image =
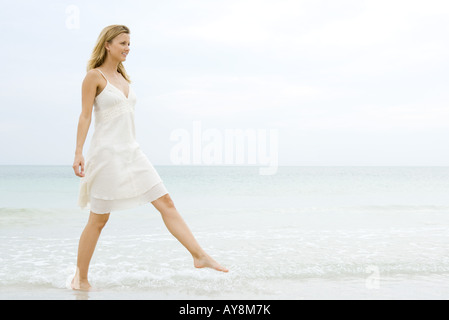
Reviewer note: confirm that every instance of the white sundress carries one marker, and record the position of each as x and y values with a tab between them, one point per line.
118	175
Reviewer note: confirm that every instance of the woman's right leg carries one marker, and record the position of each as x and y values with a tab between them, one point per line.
86	247
179	229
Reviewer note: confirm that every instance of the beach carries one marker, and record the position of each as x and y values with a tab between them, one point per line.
302	233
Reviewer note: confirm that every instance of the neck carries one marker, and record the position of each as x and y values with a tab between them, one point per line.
110	65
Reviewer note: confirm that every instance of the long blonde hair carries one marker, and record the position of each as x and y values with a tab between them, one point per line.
99	52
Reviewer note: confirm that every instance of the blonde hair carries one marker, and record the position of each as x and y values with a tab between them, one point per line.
99	52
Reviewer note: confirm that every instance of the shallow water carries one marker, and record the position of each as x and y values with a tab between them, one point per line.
304	233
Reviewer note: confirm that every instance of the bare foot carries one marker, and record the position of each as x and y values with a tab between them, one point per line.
207	262
77	284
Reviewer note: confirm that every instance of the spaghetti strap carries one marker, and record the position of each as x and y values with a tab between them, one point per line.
102	75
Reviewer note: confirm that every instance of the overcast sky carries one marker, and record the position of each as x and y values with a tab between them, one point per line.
340	82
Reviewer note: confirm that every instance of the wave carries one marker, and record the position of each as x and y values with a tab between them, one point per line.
34	210
241	278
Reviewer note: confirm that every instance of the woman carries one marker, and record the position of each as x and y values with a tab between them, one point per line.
116	174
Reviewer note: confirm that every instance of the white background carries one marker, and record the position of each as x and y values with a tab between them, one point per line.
343	82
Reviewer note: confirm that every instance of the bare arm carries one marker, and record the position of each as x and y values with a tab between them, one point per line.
89	90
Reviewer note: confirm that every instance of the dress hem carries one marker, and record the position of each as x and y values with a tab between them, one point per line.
101	206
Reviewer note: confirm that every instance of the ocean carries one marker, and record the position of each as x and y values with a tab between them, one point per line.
302	233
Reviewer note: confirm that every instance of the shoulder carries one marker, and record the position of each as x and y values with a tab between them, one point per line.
93	74
93	77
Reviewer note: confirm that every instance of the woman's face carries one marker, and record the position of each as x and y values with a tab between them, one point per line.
118	48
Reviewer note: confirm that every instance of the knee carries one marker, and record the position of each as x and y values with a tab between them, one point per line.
100	224
166	202
98	221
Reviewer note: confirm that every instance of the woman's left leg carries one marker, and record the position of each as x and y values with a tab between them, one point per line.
86	247
179	229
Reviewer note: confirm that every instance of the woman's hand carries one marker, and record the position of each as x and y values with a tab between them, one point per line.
77	163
